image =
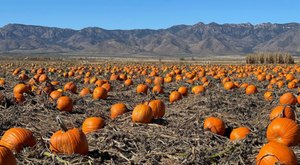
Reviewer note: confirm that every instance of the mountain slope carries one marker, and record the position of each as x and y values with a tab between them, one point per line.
199	39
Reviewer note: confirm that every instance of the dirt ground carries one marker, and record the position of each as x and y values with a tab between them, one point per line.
177	138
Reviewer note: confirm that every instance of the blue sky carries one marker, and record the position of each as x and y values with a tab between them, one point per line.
153	14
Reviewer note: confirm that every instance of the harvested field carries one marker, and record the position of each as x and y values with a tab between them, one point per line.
177	138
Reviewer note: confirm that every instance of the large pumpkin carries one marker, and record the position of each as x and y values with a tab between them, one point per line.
283	112
6	156
157	107
283	130
239	133
68	141
276	153
215	125
117	110
142	114
92	124
17	138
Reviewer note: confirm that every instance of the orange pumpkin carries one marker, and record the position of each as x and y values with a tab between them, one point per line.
183	90
17	138
20	88
6	156
239	133
282	112
268	96
142	114
92	124
175	96
99	93
276	153
214	125
142	88
69	142
55	95
251	89
198	89
283	130
117	110
158	89
128	82
64	103
107	86
70	86
229	85
84	92
157	107
287	99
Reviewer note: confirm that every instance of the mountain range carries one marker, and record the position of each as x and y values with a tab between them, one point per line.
199	39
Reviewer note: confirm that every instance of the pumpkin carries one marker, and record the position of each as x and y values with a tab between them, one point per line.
70	86
64	103
175	96
183	90
20	88
283	130
55	94
117	110
158	80
84	92
2	81
69	141
19	97
214	125
92	124
287	99
128	82
43	78
239	133
107	86
198	89
229	85
142	114
17	138
268	96
142	88
6	156
276	153
158	89
251	89
158	108
99	93
283	112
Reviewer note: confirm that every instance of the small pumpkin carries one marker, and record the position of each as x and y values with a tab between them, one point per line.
284	131
92	124
64	103
198	89
70	86
183	90
251	89
268	96
128	82
229	85
142	88
276	153
158	108
17	138
142	114
84	92
6	156
283	112
117	110
175	96
239	133
55	95
99	93
215	125
158	89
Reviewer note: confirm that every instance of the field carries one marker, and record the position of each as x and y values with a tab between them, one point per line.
178	137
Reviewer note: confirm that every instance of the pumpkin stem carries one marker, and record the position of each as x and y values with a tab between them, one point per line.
61	124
